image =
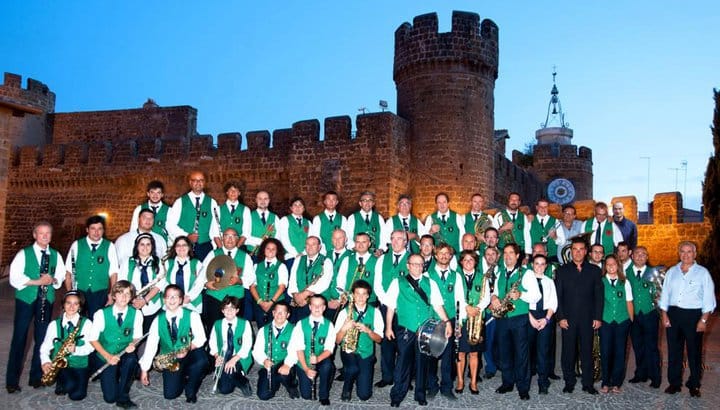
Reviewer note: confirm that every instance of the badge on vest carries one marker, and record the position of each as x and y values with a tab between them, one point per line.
450	288
127	331
283	345
271	276
374	229
477	288
204	214
450	229
184	340
608	232
159	223
619	294
645	285
321	340
100	259
238	220
239	341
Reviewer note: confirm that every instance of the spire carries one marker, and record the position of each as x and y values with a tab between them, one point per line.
555	116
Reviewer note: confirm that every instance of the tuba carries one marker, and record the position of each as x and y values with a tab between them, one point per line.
61	358
475	324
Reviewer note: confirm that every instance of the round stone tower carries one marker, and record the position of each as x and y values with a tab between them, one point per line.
445	84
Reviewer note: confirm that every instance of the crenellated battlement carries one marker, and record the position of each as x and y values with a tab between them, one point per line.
36	98
471	44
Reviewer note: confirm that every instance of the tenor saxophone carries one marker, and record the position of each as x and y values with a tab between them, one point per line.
61	358
350	341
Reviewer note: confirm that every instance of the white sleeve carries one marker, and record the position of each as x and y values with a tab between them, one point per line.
628	291
392	294
560	240
212	345
378	323
377	280
134	218
349	226
617	234
98	325
422	229
550	300
112	259
341	279
248	273
385	233
324	282
283	275
329	345
292	287
214	226
47	343
199	337
173	218
532	291
151	345
72	254
436	299
315	226
297	344
459	294
526	235
246	341
59	274
199	284
485	297
18	279
258	350
86	348
247	224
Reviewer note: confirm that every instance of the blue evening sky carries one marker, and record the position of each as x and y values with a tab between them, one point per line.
635	77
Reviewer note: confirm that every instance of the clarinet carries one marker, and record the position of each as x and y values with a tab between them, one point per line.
217	218
44	269
267	297
312	353
196	227
73	277
270	349
458	331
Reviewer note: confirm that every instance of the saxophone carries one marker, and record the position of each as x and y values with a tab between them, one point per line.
61	358
350	341
475	323
169	361
506	304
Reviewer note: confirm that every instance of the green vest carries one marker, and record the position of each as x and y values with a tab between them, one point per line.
279	344
258	230
74	361
193	277
504	284
267	280
367	274
449	230
411	309
413	227
160	219
615	307
606	237
447	289
470	223
517	230
151	276
390	271
643	290
92	270
320	337
297	234
331	292
32	270
473	292
184	332
372	229
234	220
234	290
327	227
220	335
303	276
537	233
365	345
116	338
188	215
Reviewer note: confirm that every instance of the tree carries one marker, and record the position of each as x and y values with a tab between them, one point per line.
710	250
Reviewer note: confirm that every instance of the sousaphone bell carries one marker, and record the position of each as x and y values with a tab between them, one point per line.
220	271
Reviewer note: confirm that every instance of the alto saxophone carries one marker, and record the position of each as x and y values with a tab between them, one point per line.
350	341
169	361
61	358
475	323
506	304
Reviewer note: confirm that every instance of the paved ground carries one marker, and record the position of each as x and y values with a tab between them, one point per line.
633	396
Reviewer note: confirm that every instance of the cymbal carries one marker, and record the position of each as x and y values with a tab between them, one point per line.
220	270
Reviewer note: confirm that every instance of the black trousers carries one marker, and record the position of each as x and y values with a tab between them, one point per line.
26	314
579	332
325	376
682	333
188	377
265	391
408	355
512	336
613	340
644	335
360	370
115	381
388	350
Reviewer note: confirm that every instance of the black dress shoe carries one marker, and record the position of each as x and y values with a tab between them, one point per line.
637	380
340	377
694	392
525	396
13	389
459	391
422	402
504	388
383	383
449	395
673	389
35	384
489	375
474	391
432	393
553	376
655	385
192	399
590	390
324	402
542	390
59	391
245	389
394	404
293	392
126	404
568	388
345	396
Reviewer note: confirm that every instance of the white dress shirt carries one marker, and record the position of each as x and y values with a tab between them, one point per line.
153	340
48	343
18	278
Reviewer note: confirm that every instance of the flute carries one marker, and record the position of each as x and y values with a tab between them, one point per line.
95	375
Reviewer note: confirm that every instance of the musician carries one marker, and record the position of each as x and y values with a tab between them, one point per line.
405	220
311	274
233	214
313	341
367	322
446	223
239	281
605	232
468	242
388	267
644	329
271	353
183	269
624	254
324	223
73	379
628	229
617	316
125	243
490	265
155	193
368	220
491	241
476	294
540	248
541	325
570	226
180	336
361	265
416	298
449	282
262	222
510	222
338	254
230	343
597	255
427	251
193	215
92	265
550	267
512	328
271	280
35	273
686	302
544	229
143	270
292	230
116	329
477	204
580	306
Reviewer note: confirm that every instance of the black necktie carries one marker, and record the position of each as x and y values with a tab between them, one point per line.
314	332
442	274
144	275
94	247
639	274
268	264
154	209
262	218
443	219
230	349
173	329
542	223
426	265
539	306
337	256
278	330
180	276
230	254
397	259
360	261
119	319
331	217
70	327
44	261
612	282
513	217
310	263
597	235
197	203
406	227
475	217
299	221
367	219
232	209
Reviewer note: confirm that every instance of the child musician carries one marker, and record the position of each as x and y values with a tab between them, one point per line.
230	343
271	352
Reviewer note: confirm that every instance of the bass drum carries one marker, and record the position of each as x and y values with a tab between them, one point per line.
431	337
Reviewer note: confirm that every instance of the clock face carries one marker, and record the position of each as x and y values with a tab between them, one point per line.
561	191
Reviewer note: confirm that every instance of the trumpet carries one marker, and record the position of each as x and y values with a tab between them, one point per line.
218	371
147	288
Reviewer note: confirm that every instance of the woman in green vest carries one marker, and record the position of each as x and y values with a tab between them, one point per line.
271	280
73	379
141	270
617	316
182	269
